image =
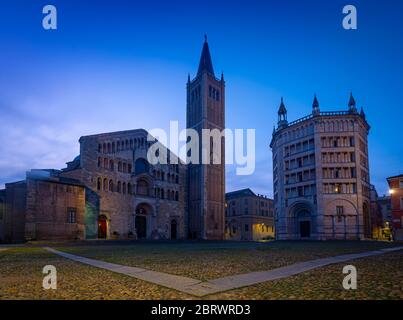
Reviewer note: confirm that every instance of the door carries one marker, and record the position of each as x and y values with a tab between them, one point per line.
102	227
173	230
305	229
141	227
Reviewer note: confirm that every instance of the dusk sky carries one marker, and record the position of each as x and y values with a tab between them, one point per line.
119	65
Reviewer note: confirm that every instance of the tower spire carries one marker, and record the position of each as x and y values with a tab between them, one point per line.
315	106
282	115
352	104
205	64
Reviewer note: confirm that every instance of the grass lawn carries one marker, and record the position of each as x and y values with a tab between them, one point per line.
211	260
379	277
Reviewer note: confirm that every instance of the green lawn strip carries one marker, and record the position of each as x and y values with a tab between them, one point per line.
207	261
379	278
21	278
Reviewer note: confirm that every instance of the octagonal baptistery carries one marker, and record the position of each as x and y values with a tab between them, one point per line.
321	175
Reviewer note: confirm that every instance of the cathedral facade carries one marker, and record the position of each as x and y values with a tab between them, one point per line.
321	175
111	191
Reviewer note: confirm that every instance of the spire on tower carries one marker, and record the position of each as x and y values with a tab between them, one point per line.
315	106
282	109
282	115
351	103
205	64
315	103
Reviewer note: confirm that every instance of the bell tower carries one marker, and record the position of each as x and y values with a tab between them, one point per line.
206	182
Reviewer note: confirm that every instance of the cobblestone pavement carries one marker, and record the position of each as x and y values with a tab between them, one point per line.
198	288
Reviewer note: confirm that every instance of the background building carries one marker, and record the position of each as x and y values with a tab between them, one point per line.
386	210
248	216
321	175
380	229
396	195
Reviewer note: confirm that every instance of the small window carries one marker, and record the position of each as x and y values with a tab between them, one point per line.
246	227
71	215
401	184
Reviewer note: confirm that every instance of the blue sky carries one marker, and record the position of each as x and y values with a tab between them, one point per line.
116	65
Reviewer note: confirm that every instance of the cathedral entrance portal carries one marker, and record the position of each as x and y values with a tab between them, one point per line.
143	220
141	226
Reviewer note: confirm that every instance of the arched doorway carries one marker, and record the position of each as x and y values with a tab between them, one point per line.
300	224
141	226
304	223
142	220
102	227
174	230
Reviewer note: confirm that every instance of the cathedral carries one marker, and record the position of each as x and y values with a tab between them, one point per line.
111	191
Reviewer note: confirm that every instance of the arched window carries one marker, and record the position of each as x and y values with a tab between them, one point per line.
111	165
124	167
120	166
118	146
129	168
131	144
142	187
99	162
141	166
110	185
113	147
176	196
177	179
129	188
105	184
104	148
105	163
124	188
99	147
109	148
119	187
162	194
99	184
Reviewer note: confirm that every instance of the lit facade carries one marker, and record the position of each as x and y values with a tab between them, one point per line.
249	216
